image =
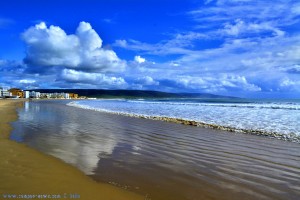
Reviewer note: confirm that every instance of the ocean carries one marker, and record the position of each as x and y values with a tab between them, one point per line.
163	160
277	118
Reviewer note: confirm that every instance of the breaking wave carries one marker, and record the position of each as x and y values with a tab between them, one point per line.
282	130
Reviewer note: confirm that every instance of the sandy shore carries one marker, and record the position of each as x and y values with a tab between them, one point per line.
25	171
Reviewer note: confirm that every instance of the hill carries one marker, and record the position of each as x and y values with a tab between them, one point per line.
101	93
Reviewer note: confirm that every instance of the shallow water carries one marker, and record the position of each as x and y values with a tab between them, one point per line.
162	160
277	118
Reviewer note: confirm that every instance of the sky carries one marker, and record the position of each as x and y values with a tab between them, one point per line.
243	48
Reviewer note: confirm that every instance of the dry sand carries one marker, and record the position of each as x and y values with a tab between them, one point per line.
26	171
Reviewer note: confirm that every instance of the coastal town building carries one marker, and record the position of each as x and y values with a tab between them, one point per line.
66	95
27	94
33	94
4	93
73	96
18	93
55	95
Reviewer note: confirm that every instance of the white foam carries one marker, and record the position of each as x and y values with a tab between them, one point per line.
280	118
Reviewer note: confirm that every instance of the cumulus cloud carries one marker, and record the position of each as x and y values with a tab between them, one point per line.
288	84
217	84
239	82
146	80
226	51
73	76
139	59
51	46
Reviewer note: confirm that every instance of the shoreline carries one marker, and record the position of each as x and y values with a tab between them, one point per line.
160	160
25	171
291	137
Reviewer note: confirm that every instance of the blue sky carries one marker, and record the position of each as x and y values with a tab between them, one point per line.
244	48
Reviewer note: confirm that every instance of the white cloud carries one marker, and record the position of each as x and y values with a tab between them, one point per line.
245	16
222	2
294	69
245	56
82	50
240	27
97	79
296	9
288	84
241	37
240	82
217	84
234	29
146	81
227	10
135	45
88	37
121	43
26	81
176	45
174	64
254	40
139	59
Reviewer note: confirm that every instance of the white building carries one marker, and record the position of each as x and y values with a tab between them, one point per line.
34	94
4	92
27	94
38	95
66	95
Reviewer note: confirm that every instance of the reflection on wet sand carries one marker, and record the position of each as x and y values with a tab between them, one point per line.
26	171
163	160
75	147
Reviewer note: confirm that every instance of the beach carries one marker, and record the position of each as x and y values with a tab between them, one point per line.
158	159
152	100
25	171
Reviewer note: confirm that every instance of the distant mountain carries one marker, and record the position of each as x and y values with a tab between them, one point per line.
100	93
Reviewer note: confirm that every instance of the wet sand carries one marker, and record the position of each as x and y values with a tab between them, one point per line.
25	171
162	160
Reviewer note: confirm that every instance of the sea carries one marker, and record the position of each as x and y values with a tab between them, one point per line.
276	118
144	146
